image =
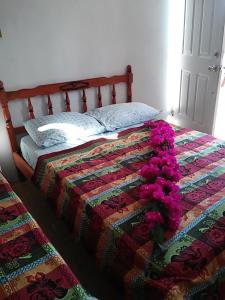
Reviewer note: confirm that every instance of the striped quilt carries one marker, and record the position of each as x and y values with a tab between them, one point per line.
95	188
30	267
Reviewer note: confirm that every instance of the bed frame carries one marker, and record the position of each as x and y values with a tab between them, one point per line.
48	90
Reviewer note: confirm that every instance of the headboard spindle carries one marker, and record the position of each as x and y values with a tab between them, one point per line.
84	99
99	97
129	83
67	102
50	111
113	94
30	109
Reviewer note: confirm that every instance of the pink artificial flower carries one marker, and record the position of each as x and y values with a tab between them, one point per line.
166	167
153	218
158	193
148	191
156	160
158	190
157	140
162	153
174	221
172	203
150	171
171	173
168	160
158	123
161	173
151	124
167	186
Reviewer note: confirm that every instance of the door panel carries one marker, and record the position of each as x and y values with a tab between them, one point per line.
185	84
207	15
188	27
200	94
202	47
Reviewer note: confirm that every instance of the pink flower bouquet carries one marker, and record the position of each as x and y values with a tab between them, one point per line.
160	191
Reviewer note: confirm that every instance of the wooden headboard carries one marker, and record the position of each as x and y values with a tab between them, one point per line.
48	90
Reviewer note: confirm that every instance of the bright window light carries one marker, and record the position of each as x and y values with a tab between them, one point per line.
218	130
175	41
73	132
69	130
113	136
219	119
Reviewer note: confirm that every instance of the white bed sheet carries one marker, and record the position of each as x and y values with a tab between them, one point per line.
31	151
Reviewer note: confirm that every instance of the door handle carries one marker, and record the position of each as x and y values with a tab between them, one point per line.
214	68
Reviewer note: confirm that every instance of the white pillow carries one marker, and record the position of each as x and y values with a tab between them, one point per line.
50	130
124	114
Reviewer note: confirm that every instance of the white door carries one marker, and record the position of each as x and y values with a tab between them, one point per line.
201	58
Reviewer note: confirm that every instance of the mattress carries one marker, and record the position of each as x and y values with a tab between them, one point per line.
31	152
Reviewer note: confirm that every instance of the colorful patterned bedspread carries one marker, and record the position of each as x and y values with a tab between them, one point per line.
94	187
30	267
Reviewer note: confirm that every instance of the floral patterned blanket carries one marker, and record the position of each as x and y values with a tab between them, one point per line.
95	188
30	267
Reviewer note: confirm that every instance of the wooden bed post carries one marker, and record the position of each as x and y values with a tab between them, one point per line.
22	166
8	121
129	83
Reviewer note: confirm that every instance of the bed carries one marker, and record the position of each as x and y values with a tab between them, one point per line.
30	266
94	187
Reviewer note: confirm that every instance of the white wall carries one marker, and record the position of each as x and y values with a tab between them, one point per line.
53	40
